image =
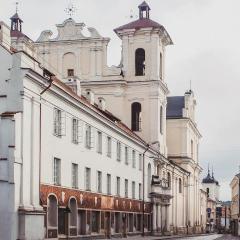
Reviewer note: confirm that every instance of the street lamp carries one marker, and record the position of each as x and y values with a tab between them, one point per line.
143	181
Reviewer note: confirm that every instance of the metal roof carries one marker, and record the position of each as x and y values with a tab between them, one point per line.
175	106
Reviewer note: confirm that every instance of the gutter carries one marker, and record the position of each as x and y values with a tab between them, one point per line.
40	133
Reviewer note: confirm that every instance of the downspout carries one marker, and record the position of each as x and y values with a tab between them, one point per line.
40	135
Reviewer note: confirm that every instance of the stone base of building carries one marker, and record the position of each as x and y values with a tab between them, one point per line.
31	223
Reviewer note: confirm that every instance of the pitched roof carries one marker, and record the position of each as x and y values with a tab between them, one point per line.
140	23
175	106
144	5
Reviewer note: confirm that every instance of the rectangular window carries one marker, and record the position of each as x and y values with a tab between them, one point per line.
99	181
140	191
126	155
70	72
118	151
59	122
126	188
133	190
88	136
75	126
109	184
118	187
57	171
140	161
133	159
74	175
99	146
88	179
109	146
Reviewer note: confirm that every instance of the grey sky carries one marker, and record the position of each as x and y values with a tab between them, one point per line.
206	36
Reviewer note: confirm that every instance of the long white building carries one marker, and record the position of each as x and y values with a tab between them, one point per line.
92	151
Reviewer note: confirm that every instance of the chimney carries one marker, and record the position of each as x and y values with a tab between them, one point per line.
102	103
90	96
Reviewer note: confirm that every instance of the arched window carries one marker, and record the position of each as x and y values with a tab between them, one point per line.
161	120
149	178
180	185
169	179
52	211
161	66
136	116
140	62
73	214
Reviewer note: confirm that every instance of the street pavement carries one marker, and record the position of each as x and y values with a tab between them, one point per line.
202	237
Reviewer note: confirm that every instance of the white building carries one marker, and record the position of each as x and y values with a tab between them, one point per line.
77	138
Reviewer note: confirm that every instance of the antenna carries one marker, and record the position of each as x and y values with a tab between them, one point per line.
70	10
190	85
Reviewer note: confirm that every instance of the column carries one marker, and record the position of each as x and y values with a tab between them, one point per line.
154	217
167	217
159	218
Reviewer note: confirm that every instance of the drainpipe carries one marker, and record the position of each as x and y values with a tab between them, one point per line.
40	133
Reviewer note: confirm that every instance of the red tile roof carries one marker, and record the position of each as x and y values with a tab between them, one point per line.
140	23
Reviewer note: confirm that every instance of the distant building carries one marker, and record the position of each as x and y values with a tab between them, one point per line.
211	186
235	209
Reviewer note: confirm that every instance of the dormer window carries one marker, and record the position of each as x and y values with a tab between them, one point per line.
140	62
70	72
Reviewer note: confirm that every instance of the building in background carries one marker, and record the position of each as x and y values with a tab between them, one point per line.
91	150
211	186
235	210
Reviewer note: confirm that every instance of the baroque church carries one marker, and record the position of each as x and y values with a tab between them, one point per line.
91	151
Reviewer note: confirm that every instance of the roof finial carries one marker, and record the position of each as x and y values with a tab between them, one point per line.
17	3
212	173
70	10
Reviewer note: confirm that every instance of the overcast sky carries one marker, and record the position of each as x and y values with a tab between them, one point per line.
206	36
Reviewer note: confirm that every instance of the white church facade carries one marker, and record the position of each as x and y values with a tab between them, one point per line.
91	151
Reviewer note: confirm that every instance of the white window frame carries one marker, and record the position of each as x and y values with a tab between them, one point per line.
133	190
99	143
126	155
88	136
140	191
56	171
88	179
140	161
75	130
99	181
118	186
109	147
59	122
118	151
74	175
133	158
126	188
109	180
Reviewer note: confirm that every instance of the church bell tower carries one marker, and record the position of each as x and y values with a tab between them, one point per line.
143	55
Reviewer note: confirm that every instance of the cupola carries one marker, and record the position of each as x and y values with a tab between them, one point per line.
144	10
16	26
